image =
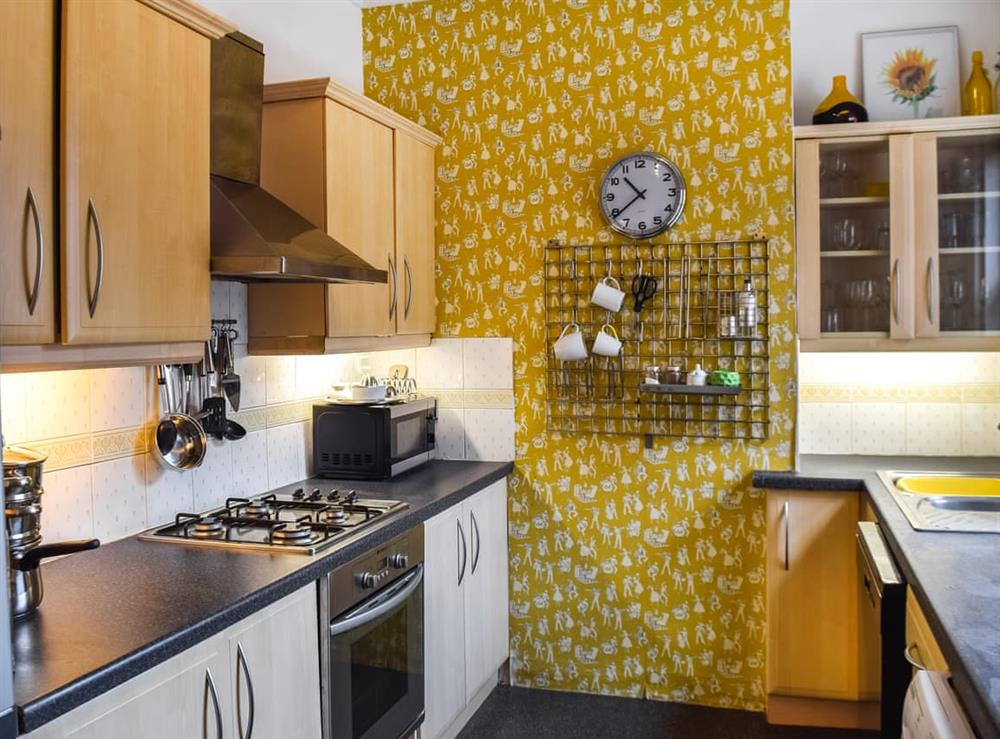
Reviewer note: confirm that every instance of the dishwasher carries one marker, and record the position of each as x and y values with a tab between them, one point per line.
883	618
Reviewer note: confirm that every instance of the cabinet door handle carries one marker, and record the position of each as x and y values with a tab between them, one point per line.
930	290
785	511
908	654
896	289
475	541
242	666
99	282
463	551
409	287
392	288
32	206
210	691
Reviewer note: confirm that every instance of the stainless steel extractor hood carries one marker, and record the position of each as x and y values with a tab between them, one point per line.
256	237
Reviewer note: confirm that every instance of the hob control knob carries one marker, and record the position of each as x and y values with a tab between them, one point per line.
298	494
399	561
367	580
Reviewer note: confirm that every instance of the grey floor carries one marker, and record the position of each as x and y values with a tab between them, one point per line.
513	713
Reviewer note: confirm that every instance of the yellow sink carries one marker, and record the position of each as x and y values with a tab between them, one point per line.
968	487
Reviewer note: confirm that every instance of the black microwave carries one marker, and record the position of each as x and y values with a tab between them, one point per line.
373	442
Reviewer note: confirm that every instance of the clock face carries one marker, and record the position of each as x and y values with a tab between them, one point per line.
642	195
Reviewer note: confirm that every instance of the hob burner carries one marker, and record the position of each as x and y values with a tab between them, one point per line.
335	514
257	510
208	527
291	534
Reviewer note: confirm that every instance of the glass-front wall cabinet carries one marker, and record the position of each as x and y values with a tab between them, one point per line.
958	236
898	235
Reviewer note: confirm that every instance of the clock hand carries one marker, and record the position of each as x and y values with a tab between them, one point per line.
636	189
640	195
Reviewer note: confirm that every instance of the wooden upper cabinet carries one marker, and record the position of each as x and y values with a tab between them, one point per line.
135	175
415	234
897	235
27	170
366	176
360	215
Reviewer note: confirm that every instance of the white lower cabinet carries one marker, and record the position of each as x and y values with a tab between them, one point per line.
465	607
193	695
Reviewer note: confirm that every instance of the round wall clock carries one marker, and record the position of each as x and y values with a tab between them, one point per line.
642	195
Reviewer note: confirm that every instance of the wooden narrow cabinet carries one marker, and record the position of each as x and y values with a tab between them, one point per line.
272	656
414	185
366	176
816	672
28	268
921	646
135	161
465	594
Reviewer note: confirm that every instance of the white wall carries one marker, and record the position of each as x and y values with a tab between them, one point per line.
826	38
302	38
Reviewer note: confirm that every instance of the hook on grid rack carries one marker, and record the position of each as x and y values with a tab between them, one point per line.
691	316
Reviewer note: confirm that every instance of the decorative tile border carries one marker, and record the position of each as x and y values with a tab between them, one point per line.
968	393
83	449
479	399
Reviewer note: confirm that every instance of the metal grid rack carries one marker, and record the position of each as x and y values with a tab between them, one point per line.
685	322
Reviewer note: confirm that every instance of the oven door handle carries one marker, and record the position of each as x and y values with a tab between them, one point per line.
381	604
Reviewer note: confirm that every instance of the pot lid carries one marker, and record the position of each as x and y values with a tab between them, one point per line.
16	456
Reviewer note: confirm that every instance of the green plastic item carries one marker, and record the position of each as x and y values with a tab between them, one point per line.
724	378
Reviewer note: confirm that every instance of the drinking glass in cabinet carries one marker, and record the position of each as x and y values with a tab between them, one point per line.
854	170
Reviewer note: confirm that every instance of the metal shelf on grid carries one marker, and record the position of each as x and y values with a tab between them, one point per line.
683	323
662	389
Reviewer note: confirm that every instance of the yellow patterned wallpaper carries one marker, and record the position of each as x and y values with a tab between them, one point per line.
633	572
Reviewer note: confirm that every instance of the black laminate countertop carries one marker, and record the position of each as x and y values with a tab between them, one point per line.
111	614
955	576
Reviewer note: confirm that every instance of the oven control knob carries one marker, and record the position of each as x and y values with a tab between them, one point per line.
367	580
399	561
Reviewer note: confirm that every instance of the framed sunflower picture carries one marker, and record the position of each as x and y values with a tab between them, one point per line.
911	74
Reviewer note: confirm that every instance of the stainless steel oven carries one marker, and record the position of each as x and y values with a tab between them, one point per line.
372	612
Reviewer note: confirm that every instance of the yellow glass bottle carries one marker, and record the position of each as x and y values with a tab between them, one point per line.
977	97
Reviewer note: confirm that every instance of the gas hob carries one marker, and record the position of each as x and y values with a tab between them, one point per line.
301	523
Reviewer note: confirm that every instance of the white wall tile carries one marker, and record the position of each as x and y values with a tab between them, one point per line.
168	492
59	404
980	436
489	435
380	362
980	367
440	365
13	408
449	434
238	309
825	428
250	464
253	377
878	428
286	454
933	428
220	299
117	398
312	376
488	363
280	379
213	481
67	505
119	487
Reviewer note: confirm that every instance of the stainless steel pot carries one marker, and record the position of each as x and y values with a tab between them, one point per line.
22	493
22	488
25	577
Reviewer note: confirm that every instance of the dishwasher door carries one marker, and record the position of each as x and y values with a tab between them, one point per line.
883	617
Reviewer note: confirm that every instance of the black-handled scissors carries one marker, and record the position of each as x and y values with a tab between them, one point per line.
643	288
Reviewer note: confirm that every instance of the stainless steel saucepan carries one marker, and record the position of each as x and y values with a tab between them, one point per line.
22	489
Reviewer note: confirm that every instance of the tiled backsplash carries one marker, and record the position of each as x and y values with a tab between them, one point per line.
940	404
103	480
